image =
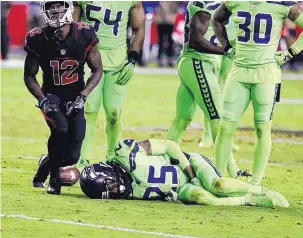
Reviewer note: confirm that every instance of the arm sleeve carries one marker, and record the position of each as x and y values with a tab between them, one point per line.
170	148
297	47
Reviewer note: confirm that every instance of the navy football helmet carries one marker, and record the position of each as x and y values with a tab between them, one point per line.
105	181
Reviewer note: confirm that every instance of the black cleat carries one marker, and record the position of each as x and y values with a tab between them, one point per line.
54	186
42	172
244	173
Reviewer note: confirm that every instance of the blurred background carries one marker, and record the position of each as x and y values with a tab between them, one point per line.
164	31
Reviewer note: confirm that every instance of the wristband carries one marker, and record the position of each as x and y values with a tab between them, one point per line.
42	102
133	56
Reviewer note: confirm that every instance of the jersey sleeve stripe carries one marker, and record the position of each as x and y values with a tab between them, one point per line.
198	4
90	46
214	7
283	3
44	34
76	29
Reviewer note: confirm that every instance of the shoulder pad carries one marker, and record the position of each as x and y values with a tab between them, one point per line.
89	33
32	39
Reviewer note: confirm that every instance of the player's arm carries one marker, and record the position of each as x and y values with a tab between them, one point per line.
77	11
170	148
94	62
137	23
295	15
221	15
198	27
31	68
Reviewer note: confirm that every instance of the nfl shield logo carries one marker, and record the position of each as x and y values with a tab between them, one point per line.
63	52
253	4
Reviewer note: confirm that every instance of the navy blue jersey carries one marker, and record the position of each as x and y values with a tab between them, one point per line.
63	62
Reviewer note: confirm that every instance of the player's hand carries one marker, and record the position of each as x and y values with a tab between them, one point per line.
47	106
126	73
196	181
230	53
128	68
78	104
282	57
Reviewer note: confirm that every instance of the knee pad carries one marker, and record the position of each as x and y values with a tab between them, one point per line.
264	99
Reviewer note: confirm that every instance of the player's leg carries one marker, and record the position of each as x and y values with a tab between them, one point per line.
58	126
185	109
207	140
225	68
207	93
192	194
236	97
216	184
91	109
263	99
113	97
205	88
74	139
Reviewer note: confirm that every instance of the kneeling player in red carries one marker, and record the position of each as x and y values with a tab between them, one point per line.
61	48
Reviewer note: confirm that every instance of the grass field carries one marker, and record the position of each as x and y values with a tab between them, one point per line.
149	107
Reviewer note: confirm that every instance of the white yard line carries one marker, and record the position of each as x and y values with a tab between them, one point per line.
18	64
16	170
99	226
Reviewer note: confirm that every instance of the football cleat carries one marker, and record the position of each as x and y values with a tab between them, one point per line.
54	186
279	199
244	173
42	172
260	201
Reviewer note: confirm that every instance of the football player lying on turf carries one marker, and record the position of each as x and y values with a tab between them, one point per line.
158	169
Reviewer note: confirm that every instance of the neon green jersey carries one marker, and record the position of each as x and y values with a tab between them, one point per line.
258	27
192	8
109	19
153	176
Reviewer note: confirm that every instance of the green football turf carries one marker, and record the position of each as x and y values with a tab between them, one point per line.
149	107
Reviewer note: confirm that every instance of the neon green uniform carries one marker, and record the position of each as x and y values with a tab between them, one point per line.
199	85
157	176
254	76
110	22
221	67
